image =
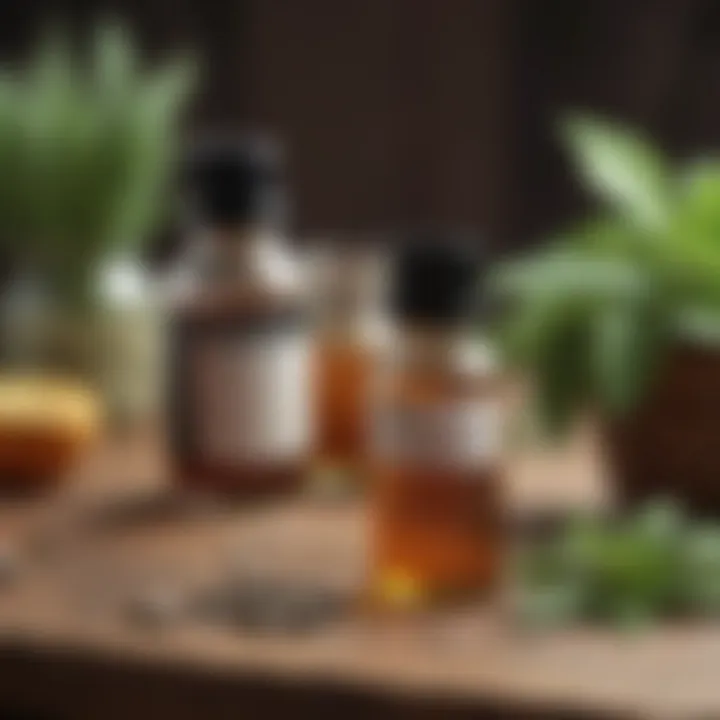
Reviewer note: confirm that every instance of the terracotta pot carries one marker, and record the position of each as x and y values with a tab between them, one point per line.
670	446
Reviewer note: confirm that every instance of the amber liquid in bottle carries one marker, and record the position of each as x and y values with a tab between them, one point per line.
437	508
349	325
437	511
241	408
343	366
240	411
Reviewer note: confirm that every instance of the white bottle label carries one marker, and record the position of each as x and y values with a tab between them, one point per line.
252	396
463	434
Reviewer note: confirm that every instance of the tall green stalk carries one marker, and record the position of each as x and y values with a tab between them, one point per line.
88	142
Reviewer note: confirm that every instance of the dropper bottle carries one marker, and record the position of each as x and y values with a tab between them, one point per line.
240	396
437	472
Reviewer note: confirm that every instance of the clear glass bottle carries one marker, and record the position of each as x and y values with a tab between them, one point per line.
437	510
240	381
130	330
349	329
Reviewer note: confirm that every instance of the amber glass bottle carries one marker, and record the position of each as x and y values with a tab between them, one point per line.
240	395
436	506
349	327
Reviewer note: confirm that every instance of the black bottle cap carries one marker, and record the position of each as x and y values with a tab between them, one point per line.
434	280
232	181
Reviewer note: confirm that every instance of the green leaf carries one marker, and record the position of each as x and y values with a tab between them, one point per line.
114	62
628	571
633	572
572	274
581	544
626	344
701	572
153	145
699	200
702	549
622	168
661	521
563	375
551	606
696	324
52	67
11	177
547	332
632	616
693	255
87	148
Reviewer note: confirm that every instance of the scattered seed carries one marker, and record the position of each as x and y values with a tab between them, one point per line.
157	608
9	565
270	607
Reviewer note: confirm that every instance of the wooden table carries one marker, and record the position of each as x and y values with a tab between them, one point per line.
68	649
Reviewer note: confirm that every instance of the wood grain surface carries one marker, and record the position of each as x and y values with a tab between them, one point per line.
68	646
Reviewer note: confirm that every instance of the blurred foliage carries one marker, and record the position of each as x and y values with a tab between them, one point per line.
87	145
593	314
630	571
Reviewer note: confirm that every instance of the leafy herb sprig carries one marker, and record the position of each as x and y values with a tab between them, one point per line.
593	314
635	570
87	146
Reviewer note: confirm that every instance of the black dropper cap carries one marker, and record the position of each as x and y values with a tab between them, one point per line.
434	280
237	180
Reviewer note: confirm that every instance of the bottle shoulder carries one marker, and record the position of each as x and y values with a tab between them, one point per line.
465	369
469	355
261	279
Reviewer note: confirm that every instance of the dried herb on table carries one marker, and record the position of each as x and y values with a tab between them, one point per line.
9	566
267	606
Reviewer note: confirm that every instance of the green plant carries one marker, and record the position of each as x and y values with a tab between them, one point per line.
594	313
628	571
87	144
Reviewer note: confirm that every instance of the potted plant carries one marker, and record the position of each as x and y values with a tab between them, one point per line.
620	315
87	147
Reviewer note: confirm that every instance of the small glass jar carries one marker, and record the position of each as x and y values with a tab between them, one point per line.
346	286
437	509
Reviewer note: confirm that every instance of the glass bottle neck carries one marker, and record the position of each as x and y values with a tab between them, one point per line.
426	342
345	285
454	346
233	253
248	255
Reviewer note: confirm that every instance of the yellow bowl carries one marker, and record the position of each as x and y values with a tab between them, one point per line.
45	425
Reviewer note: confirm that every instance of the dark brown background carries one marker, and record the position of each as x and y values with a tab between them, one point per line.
407	112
